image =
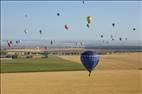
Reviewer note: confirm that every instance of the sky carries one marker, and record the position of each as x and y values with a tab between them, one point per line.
43	15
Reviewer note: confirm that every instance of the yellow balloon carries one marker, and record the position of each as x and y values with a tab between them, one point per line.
89	19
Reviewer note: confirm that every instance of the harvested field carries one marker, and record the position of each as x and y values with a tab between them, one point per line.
100	82
116	74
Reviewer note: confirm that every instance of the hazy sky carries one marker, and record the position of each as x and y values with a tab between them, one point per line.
43	15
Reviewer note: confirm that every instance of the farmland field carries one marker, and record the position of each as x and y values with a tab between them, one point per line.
52	63
115	74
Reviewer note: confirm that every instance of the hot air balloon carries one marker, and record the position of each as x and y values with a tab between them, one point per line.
18	41
90	60
101	36
113	24
9	43
111	37
134	29
26	15
125	38
89	19
40	31
58	14
51	42
88	25
83	1
120	38
25	31
66	26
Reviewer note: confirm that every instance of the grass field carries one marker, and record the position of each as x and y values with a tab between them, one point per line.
52	63
115	74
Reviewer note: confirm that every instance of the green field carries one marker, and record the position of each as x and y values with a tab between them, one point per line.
52	63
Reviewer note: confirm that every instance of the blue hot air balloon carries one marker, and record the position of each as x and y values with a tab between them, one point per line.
90	60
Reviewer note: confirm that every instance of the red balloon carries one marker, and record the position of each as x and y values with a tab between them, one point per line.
66	26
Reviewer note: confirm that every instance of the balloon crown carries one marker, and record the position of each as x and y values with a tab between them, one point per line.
89	53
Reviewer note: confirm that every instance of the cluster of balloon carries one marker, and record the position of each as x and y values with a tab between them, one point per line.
89	20
18	41
66	26
9	43
90	60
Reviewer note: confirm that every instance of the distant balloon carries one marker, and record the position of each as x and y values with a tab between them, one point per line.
18	41
125	38
88	25
26	15
51	42
111	36
112	39
90	60
40	31
58	14
66	26
113	24
134	29
120	38
101	36
9	43
83	1
25	31
89	19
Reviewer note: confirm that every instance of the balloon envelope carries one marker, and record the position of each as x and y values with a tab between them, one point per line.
25	31
66	26
90	60
89	19
51	42
134	29
88	25
113	24
58	14
40	31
